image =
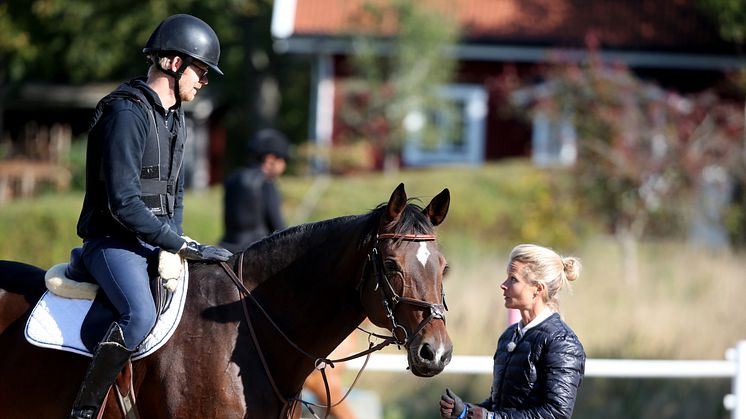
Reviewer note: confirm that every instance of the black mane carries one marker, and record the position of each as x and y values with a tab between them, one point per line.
412	220
281	248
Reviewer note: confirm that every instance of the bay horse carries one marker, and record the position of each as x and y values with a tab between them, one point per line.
245	345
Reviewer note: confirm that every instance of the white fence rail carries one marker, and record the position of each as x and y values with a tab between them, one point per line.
734	366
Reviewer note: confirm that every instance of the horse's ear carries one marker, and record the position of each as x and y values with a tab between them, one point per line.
396	204
437	209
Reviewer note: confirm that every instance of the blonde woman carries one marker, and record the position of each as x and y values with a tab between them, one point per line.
539	362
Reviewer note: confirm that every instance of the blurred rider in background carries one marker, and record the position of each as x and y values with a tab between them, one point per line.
252	202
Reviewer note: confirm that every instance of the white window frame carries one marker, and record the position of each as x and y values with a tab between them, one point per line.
553	141
474	106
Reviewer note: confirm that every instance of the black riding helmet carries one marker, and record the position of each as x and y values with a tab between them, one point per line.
188	37
268	141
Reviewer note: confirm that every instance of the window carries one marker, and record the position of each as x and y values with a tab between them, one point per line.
553	141
452	135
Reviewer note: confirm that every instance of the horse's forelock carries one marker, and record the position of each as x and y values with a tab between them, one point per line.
412	220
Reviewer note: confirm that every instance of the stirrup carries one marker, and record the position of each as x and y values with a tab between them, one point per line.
83	414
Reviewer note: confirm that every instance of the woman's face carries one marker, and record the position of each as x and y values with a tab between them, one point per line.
517	290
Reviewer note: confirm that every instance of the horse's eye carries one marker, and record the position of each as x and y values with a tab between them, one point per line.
391	266
446	269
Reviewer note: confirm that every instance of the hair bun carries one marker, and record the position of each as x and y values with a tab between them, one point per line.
572	267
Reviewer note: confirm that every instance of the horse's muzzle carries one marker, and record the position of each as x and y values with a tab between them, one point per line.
429	353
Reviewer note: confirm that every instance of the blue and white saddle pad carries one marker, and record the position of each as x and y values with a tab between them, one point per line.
55	322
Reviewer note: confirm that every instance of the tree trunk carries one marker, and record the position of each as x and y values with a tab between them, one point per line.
630	263
2	105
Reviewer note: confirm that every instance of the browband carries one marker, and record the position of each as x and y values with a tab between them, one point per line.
410	237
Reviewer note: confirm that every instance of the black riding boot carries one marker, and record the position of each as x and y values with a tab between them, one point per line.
109	358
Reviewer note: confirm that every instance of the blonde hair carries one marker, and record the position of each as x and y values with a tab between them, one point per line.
157	63
545	266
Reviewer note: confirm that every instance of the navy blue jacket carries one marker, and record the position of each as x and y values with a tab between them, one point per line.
541	376
115	168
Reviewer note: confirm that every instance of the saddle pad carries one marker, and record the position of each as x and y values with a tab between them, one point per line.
55	322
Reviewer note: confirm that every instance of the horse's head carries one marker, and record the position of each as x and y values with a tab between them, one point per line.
403	286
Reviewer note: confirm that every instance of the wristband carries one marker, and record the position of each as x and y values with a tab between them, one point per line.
463	413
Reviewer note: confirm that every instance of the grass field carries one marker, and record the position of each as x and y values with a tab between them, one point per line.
687	303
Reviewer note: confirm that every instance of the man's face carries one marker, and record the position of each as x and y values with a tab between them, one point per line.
194	77
273	166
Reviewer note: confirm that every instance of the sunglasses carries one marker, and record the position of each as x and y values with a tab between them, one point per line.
201	72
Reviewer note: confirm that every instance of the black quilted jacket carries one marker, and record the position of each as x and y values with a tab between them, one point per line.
541	376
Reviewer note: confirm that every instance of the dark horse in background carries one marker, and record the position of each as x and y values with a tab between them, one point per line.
237	355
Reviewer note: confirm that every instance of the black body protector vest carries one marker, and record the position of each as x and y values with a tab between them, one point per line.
163	155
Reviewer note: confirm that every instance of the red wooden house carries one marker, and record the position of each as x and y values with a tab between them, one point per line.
673	43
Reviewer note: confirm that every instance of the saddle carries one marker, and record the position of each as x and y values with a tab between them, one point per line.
73	315
72	280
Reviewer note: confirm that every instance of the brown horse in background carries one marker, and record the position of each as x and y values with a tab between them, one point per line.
237	355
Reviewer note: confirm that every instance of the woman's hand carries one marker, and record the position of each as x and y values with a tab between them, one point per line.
451	405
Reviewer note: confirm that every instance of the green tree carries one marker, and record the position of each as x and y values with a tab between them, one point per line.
396	76
77	41
731	19
81	41
730	16
642	150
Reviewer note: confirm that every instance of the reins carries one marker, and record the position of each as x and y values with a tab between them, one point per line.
320	363
390	299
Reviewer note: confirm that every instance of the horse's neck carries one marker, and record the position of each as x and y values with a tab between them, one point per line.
309	275
309	248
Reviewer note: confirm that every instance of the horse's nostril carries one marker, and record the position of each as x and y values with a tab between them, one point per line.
426	352
446	358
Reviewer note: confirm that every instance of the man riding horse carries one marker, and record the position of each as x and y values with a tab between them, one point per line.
133	202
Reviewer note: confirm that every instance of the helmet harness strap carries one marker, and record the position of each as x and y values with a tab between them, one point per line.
186	61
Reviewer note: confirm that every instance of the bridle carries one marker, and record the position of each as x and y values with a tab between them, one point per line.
390	300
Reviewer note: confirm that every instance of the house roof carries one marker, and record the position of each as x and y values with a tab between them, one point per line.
526	29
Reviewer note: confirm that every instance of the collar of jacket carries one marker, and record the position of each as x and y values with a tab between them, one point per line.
141	84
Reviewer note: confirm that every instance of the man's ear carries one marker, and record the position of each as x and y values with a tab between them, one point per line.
176	62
